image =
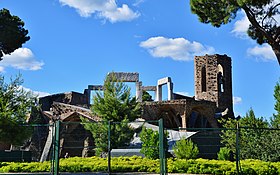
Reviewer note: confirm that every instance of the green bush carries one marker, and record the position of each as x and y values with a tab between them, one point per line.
224	154
150	146
139	164
185	149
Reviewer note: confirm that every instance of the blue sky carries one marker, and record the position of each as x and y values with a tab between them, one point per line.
75	43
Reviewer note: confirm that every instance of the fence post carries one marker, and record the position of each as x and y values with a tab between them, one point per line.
162	148
237	148
56	148
109	147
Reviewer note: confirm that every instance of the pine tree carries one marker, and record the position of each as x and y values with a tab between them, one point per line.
114	104
15	105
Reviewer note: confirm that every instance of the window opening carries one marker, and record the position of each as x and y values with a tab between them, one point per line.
203	79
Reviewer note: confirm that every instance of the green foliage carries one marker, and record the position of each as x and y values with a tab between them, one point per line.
256	141
262	15
15	104
275	121
216	12
12	33
146	96
185	149
150	145
139	164
114	105
224	154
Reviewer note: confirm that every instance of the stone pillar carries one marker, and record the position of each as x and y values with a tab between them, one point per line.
170	90
139	91
184	121
159	93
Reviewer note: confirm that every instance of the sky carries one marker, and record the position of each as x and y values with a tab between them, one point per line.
75	43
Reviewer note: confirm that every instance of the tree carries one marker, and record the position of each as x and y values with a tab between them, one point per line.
15	104
264	28
150	146
12	32
150	143
275	121
114	104
256	140
146	96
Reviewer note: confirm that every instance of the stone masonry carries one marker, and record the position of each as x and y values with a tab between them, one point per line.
213	81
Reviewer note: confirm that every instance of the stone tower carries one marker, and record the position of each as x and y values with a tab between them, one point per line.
213	81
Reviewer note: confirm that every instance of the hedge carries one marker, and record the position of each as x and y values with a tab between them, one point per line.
139	164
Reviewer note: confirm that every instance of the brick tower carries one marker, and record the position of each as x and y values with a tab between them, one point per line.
213	81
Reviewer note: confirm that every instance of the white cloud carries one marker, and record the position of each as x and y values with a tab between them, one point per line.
178	49
263	52
107	9
22	58
237	100
37	93
241	26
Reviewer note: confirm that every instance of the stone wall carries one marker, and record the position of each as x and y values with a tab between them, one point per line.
73	98
176	113
213	80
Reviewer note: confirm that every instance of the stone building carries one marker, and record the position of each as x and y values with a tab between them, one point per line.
213	96
213	81
69	108
213	99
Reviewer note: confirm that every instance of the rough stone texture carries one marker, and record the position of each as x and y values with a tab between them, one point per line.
176	113
61	111
185	112
213	65
149	88
60	107
126	76
73	98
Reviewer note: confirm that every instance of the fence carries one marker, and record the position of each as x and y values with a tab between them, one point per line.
107	139
113	139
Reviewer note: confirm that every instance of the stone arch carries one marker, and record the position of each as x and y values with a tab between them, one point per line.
197	119
221	69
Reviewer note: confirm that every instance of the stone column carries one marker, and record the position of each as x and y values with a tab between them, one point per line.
139	91
170	90
184	121
159	93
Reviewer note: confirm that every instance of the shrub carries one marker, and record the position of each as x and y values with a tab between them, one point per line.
185	149
150	146
139	164
224	154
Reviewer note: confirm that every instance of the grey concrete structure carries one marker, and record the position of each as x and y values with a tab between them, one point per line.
160	83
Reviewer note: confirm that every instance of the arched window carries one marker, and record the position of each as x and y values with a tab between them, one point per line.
203	79
220	78
220	82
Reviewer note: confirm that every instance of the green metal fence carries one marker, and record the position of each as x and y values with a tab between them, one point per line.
74	140
52	142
